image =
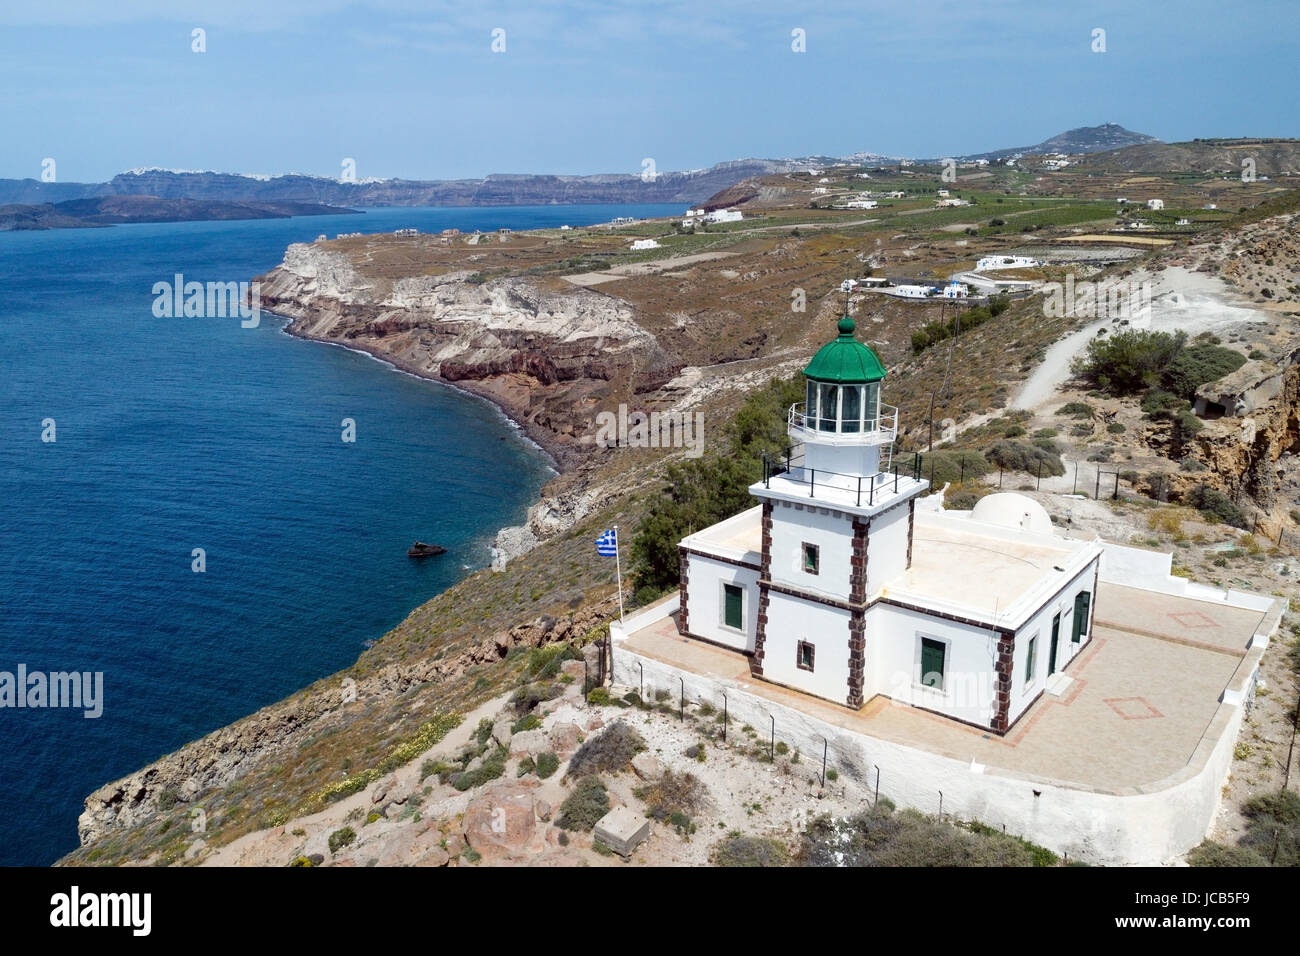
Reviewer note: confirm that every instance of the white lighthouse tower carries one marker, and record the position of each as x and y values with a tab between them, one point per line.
837	524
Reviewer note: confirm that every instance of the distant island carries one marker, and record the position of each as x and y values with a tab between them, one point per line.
111	210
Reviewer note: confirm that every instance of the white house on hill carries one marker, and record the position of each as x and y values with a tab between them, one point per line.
841	583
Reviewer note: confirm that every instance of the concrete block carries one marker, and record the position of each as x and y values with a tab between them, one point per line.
622	830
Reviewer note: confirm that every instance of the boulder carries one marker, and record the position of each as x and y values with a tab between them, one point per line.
529	743
594	724
565	737
415	845
501	732
400	791
574	669
647	767
543	810
381	789
502	818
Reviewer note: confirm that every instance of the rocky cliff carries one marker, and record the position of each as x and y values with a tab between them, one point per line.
227	754
546	355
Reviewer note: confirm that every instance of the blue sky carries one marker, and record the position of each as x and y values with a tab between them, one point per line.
414	90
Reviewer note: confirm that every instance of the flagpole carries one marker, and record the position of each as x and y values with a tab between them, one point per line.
618	569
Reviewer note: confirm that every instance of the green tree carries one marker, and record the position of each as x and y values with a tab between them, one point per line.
703	491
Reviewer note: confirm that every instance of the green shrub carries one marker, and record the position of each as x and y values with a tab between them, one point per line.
599	696
1075	410
1158	404
584	806
529	721
882	837
1274	817
1128	361
1020	456
750	851
1209	853
1186	427
493	766
1116	428
1212	502
547	764
526	766
1198	364
609	751
341	838
946	466
702	491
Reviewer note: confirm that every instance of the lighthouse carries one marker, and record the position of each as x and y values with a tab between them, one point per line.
845	583
836	523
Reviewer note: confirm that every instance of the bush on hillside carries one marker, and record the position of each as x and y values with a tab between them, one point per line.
1021	456
609	751
584	806
1215	504
947	465
1198	364
1128	361
750	851
882	837
1274	816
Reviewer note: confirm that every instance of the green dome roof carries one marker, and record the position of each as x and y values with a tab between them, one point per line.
845	360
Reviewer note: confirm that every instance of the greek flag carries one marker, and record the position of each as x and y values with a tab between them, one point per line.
607	544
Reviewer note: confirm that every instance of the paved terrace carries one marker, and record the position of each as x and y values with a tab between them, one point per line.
1138	705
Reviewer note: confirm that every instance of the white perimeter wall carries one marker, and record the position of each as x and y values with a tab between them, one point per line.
705	577
1146	828
1149	571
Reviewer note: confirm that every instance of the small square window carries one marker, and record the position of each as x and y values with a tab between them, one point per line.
811	557
1031	660
806	651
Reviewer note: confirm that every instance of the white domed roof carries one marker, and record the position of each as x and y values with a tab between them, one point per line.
1009	510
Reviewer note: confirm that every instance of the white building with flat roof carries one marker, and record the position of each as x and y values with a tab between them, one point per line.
838	585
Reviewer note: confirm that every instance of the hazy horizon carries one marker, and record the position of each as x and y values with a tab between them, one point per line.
585	88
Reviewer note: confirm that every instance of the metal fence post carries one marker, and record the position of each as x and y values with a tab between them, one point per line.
771	750
877	799
642	668
825	750
724	718
681	710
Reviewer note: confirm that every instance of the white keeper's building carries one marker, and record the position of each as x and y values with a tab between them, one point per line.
843	582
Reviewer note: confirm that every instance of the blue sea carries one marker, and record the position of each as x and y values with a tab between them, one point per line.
178	434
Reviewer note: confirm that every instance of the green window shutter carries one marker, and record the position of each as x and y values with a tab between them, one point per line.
1082	605
732	610
1031	653
810	554
932	662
